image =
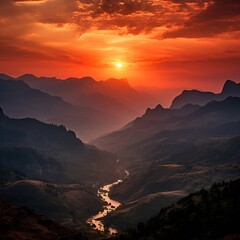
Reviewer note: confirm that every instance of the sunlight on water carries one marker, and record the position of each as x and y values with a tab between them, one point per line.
110	206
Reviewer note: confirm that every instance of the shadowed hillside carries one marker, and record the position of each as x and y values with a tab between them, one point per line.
212	215
48	168
23	224
81	162
170	153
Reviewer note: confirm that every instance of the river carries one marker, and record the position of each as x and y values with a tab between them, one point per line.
110	205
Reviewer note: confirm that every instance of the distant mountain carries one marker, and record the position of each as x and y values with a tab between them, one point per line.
141	127
74	90
172	152
5	77
167	122
230	88
55	145
19	100
212	214
115	97
23	224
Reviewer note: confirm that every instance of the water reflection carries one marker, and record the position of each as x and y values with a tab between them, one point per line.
110	206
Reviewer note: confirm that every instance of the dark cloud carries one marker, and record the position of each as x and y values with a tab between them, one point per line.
126	7
162	18
21	20
28	0
134	16
221	16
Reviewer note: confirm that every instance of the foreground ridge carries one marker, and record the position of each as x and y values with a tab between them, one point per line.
212	214
23	224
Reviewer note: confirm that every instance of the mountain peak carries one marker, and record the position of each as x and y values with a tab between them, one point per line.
155	110
121	81
5	76
86	79
231	87
27	76
159	107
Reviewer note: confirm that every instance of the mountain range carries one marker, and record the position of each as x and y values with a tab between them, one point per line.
172	152
169	153
90	108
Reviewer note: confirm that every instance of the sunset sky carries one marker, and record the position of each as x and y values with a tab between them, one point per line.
156	43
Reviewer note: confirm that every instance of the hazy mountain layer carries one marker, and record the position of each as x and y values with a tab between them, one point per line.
123	99
19	100
103	106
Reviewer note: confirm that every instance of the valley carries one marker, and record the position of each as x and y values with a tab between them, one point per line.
170	153
110	205
119	120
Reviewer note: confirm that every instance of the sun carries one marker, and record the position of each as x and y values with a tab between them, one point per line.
119	65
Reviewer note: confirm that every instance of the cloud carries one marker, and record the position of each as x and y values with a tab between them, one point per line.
134	16
163	18
219	17
156	18
50	29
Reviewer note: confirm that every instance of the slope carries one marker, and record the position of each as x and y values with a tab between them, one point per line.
81	162
23	224
212	214
230	88
170	155
19	100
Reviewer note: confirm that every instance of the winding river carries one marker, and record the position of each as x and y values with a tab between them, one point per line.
109	206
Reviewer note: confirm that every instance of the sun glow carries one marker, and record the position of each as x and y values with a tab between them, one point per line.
119	65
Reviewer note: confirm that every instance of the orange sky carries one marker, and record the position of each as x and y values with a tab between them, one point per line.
160	43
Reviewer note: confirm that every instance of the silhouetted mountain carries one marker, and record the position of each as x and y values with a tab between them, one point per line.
23	224
79	160
5	77
170	153
74	89
159	113
123	102
19	100
212	214
167	122
201	98
231	88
